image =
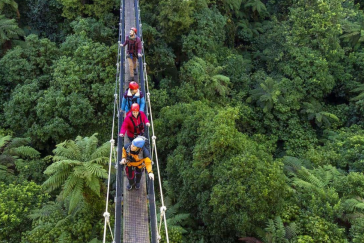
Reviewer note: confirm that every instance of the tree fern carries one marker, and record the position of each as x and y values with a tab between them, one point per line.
91	145
78	167
76	195
353	33
4	140
46	211
68	149
313	110
267	94
14	152
26	151
9	29
256	5
11	3
360	90
277	232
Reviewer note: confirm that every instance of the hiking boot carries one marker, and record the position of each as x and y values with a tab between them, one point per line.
129	187
131	79
135	72
137	186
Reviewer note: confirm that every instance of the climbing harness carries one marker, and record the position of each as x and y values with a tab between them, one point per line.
139	127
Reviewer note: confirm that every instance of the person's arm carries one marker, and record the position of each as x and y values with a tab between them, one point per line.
124	153
123	158
142	104
148	165
126	42
123	104
144	118
124	126
139	44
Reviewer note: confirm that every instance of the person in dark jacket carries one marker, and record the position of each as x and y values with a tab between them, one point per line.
134	124
131	96
136	158
134	51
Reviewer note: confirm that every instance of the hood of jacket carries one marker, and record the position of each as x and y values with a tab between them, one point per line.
136	94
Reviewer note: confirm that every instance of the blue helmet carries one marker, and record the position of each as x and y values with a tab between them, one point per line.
138	142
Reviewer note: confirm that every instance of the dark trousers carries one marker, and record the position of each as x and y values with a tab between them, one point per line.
134	174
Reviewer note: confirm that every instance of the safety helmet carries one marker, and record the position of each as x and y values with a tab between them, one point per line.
133	85
138	142
134	107
134	29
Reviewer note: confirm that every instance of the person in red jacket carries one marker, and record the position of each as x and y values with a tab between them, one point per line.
133	124
134	51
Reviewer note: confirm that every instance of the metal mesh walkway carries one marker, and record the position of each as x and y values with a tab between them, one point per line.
135	211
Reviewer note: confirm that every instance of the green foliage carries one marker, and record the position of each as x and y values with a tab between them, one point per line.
78	167
75	8
53	223
277	232
66	94
18	161
4	4
16	201
359	97
207	36
201	80
174	18
45	20
313	110
267	94
9	30
238	86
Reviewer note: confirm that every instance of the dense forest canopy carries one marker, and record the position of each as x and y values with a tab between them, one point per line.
258	106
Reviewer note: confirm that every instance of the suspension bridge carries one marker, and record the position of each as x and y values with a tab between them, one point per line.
135	210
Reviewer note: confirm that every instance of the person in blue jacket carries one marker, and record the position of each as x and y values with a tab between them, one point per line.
131	96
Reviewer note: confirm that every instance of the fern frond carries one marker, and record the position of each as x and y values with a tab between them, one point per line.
69	185
94	185
56	180
4	140
26	151
91	145
76	196
102	151
45	212
291	231
100	160
61	165
96	170
280	230
306	175
18	142
68	149
64	237
82	172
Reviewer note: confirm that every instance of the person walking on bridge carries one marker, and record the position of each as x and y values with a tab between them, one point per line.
134	51
131	96
134	124
136	157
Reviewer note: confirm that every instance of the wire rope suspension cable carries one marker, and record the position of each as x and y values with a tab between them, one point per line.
154	145
112	141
